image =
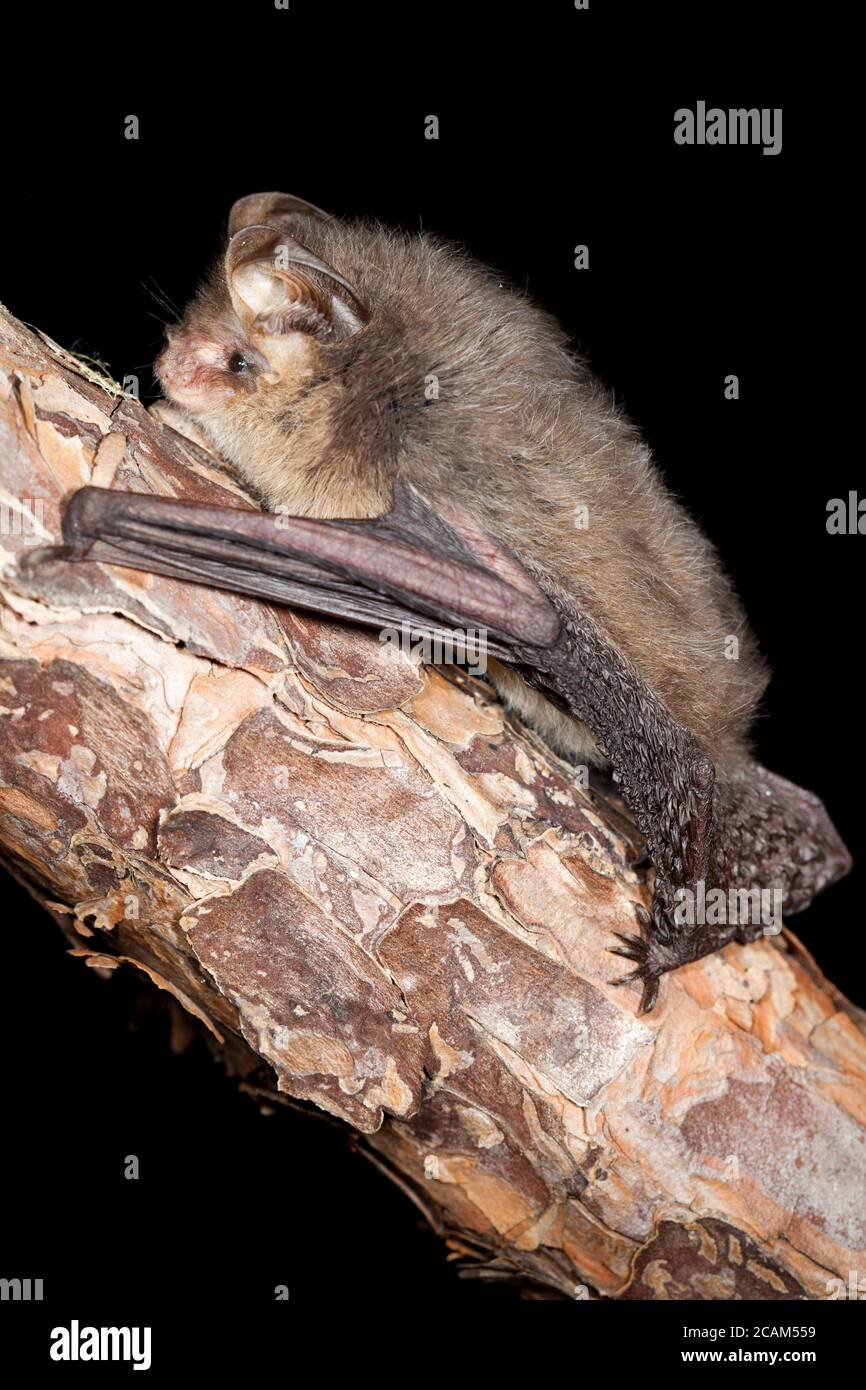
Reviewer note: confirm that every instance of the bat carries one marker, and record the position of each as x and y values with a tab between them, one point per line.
430	451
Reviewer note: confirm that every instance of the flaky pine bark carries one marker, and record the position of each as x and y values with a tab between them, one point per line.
381	897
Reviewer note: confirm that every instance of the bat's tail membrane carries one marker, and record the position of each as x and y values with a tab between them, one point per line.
785	837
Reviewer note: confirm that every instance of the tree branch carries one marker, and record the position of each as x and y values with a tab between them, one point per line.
373	889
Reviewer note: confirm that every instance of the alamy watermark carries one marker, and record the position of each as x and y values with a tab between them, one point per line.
854	1289
23	516
741	126
76	1343
846	516
718	907
465	647
21	1290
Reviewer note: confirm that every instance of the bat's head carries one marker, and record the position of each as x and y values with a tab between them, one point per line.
250	343
314	351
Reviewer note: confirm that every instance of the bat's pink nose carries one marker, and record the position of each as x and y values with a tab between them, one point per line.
175	360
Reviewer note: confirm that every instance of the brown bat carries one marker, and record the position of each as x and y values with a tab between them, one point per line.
351	372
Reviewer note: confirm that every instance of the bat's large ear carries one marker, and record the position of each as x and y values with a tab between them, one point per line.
278	286
281	209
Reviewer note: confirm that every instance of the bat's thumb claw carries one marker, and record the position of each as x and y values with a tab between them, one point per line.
44	555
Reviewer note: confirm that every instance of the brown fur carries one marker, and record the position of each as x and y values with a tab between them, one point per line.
520	436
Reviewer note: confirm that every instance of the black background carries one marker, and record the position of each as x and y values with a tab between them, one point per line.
556	129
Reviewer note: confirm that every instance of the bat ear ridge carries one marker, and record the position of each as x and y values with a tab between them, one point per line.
282	209
277	285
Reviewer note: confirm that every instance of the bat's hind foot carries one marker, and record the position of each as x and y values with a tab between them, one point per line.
661	946
649	957
637	949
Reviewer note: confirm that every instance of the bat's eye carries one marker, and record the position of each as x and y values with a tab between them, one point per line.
238	363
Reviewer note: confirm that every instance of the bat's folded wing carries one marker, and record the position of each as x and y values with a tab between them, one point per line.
410	565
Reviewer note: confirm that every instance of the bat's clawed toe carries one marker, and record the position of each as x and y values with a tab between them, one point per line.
626	979
635	949
43	555
649	996
632	948
640	949
650	982
656	923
